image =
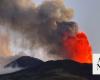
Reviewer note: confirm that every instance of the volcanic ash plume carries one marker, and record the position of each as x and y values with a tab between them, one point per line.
32	27
4	42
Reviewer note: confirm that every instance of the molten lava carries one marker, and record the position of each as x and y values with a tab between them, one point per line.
78	48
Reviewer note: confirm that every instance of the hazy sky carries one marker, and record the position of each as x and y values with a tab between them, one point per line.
87	14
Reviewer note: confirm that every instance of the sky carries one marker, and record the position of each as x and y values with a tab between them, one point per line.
87	14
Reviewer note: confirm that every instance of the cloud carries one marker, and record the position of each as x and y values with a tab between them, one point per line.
8	70
32	26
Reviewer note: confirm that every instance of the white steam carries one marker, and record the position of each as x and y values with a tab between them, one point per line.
8	70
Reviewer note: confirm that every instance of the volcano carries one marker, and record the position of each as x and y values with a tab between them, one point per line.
53	70
24	62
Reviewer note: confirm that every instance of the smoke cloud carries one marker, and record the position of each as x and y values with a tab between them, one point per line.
8	70
31	28
4	61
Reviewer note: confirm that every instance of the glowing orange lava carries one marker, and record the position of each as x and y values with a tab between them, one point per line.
78	48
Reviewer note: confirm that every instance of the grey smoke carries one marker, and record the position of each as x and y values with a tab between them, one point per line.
8	70
4	61
32	27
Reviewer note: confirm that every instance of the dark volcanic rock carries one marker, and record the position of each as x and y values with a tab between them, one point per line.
54	70
25	62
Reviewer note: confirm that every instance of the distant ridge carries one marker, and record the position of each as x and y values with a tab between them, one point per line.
51	70
24	62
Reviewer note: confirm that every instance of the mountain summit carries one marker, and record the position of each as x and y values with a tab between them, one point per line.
25	62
